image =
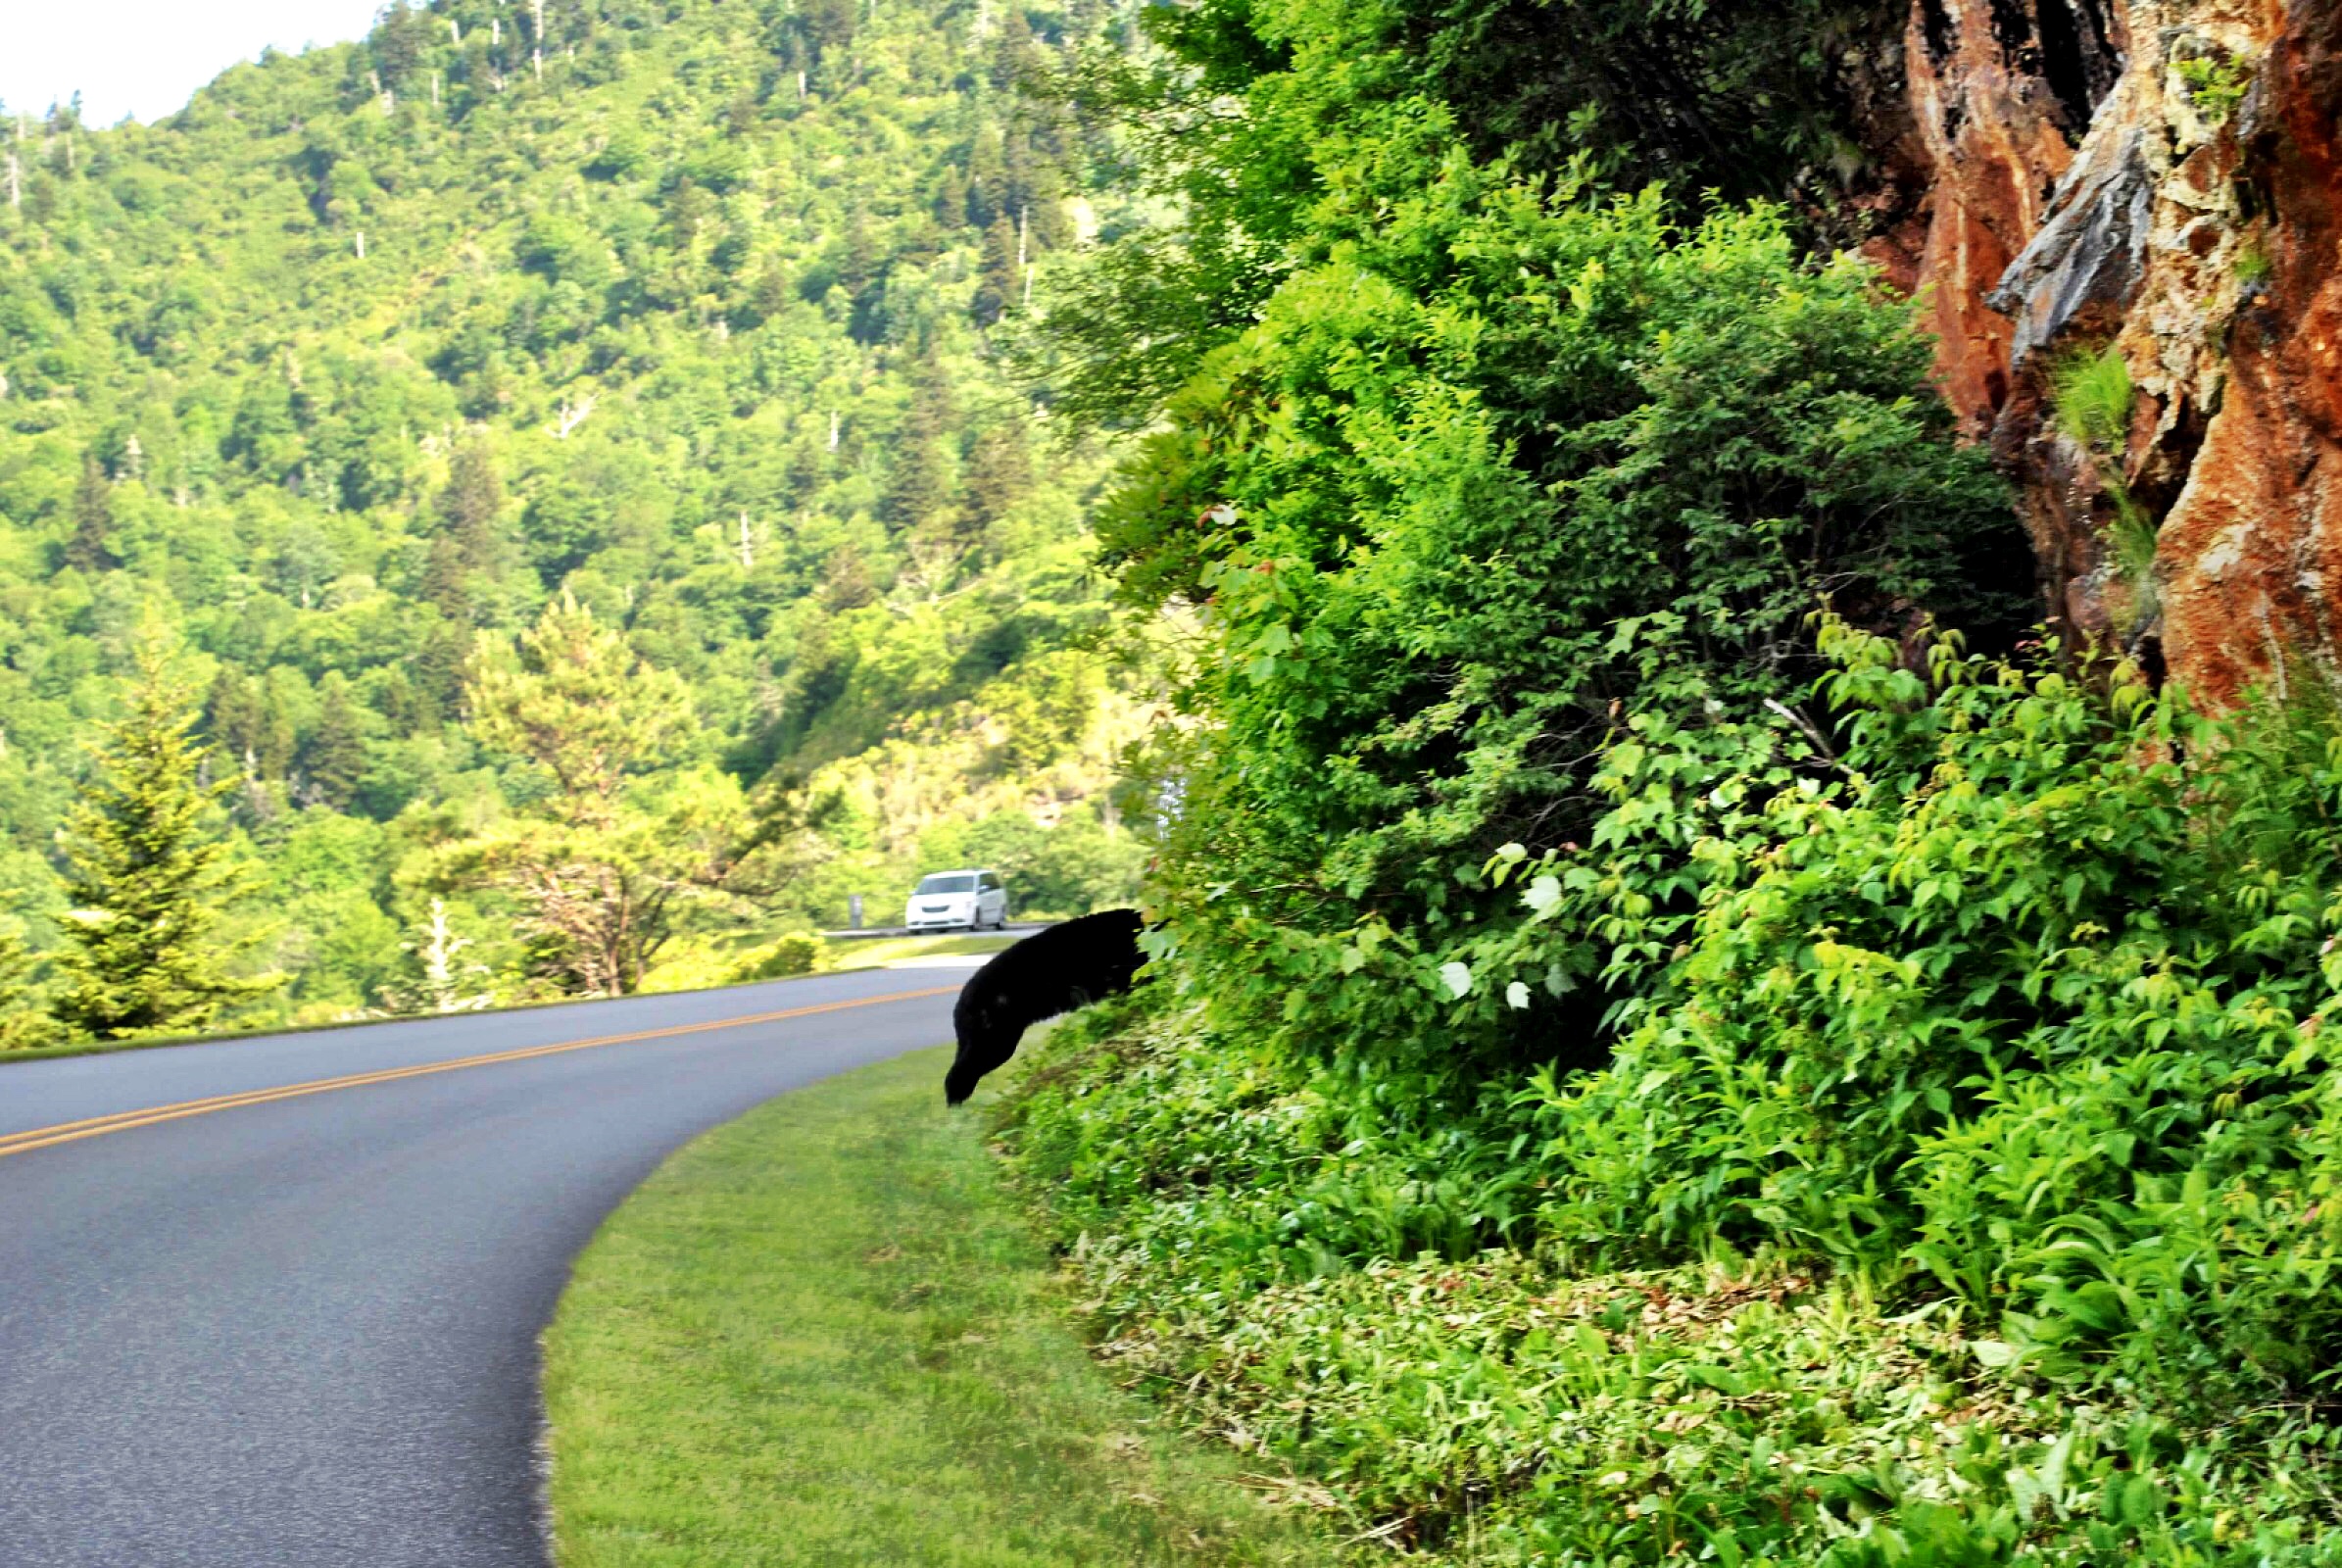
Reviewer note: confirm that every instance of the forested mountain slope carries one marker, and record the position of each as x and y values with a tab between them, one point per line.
683	310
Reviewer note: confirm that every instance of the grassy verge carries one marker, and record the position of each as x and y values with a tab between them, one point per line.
823	1335
870	952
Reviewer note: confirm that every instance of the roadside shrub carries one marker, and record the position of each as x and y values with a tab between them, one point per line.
796	952
1515	1408
2030	996
1969	1067
1458	534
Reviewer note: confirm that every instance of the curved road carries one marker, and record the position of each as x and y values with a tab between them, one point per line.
301	1329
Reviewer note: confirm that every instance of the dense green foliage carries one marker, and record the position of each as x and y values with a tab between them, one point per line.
1340	107
1500	460
685	310
1975	1117
1636	1067
146	881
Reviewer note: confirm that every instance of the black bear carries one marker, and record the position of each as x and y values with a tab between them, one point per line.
1050	972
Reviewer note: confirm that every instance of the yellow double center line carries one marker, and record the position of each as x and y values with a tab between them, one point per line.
68	1132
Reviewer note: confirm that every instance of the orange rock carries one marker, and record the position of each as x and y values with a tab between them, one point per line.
2091	176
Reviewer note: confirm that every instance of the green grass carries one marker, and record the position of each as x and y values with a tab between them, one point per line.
869	953
823	1335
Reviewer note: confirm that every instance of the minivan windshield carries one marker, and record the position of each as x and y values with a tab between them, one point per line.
960	883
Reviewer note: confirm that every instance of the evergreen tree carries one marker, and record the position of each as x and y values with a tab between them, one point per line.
921	484
335	756
579	703
988	176
1014	57
952	198
467	546
999	472
147	879
91	548
598	877
243	719
442	585
402	41
468	506
437	672
997	284
224	708
25	1018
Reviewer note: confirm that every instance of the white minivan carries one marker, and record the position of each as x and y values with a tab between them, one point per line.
973	898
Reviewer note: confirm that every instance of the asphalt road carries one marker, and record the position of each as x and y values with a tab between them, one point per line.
301	1330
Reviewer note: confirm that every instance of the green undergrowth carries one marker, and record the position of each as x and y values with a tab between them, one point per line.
1956	1182
1508	1407
823	1335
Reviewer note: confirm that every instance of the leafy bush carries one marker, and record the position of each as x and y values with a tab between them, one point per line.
2032	998
1459	530
796	952
1555	932
1973	1070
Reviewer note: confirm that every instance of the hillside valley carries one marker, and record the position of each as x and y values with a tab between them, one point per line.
683	312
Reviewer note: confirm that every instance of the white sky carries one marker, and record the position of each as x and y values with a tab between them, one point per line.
147	56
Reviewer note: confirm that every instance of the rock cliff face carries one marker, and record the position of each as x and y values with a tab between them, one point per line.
2127	227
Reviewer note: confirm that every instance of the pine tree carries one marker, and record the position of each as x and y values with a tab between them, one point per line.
598	877
147	879
24	1020
921	484
242	718
996	273
90	549
1014	59
579	703
952	198
442	585
435	674
468	509
465	549
988	176
335	756
999	472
